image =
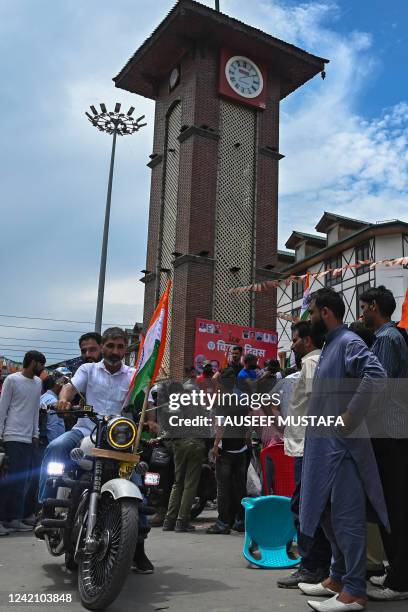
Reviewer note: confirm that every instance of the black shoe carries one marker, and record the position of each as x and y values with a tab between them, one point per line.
141	564
168	524
301	575
217	529
239	526
183	526
157	520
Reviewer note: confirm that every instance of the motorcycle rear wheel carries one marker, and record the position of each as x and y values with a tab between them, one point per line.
102	574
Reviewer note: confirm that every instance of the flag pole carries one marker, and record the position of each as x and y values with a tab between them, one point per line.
142	418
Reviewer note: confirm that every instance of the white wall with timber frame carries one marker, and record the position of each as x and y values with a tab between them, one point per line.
352	282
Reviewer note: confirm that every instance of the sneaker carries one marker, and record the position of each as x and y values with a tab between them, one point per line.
217	529
183	526
168	524
386	594
141	564
378	581
17	525
303	576
379	571
30	520
3	530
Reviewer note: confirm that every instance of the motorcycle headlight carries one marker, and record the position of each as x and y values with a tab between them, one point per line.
55	468
121	433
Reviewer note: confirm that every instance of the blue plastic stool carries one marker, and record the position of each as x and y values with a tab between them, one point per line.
269	524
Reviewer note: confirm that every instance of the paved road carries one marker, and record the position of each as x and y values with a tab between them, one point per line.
194	572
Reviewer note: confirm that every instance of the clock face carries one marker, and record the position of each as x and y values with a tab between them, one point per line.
243	76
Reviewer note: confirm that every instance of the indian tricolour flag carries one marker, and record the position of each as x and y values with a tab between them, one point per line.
150	354
304	309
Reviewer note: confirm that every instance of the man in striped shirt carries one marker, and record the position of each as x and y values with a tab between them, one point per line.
391	440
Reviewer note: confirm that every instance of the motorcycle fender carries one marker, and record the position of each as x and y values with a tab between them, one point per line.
120	487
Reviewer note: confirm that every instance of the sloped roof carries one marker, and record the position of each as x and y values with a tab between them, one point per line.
190	21
329	219
296	237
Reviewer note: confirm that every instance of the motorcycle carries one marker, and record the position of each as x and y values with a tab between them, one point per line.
94	518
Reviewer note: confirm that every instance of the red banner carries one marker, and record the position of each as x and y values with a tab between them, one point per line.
214	341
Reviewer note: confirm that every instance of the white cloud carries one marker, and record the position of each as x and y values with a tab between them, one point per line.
336	159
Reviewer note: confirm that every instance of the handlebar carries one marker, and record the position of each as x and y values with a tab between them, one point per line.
85	411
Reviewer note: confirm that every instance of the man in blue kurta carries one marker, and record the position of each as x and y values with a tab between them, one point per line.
339	468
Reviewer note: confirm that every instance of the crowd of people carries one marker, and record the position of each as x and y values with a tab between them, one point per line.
350	501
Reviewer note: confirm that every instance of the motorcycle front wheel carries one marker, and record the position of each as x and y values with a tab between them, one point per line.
102	573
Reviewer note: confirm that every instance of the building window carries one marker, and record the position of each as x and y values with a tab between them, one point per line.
297	291
363	253
360	289
333	263
296	313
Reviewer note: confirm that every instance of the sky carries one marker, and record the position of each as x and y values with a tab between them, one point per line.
345	141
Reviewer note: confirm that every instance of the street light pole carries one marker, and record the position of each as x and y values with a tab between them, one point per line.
102	270
117	124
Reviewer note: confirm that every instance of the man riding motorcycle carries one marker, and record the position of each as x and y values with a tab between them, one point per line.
105	384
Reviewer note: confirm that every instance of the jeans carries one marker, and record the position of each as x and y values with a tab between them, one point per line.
59	451
231	475
316	551
18	478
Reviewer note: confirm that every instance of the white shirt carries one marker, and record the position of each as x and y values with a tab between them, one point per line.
294	438
104	391
19	408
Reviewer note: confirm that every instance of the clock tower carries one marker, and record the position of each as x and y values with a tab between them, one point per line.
213	218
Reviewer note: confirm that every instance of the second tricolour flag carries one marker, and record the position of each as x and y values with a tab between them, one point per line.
150	354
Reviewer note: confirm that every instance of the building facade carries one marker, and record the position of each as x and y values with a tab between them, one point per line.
342	241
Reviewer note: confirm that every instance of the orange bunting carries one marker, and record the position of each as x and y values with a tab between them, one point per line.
404	314
259	287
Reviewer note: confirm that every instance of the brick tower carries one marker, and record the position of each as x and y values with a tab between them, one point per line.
213	220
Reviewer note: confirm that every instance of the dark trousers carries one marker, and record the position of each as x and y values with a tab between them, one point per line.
30	504
392	461
316	551
16	484
231	474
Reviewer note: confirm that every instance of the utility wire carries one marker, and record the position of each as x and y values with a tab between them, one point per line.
64	320
23	351
38	340
42	348
69	331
